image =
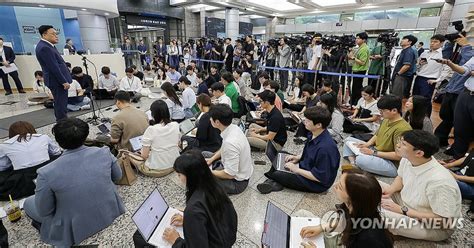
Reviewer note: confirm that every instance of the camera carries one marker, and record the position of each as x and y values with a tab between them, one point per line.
343	41
453	36
389	40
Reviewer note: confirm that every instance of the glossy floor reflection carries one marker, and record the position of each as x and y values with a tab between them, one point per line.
250	205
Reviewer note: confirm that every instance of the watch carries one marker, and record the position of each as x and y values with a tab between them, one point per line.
375	153
404	210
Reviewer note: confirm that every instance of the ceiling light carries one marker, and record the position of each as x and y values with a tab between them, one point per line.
84	9
277	5
369	7
326	3
206	7
41	5
106	14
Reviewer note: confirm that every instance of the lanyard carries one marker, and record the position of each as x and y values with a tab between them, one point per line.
130	84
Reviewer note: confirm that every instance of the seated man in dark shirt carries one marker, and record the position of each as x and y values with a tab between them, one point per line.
316	169
84	80
275	130
137	73
202	86
209	81
215	74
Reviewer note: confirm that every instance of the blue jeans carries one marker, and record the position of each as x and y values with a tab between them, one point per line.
77	106
467	190
423	88
372	164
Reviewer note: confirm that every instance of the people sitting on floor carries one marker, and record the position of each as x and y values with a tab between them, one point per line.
75	200
378	155
423	190
262	79
182	68
360	194
274	87
215	74
161	77
311	100
219	94
209	218
84	80
137	73
131	84
174	76
235	167
21	155
77	100
296	101
417	113
275	129
160	142
464	174
243	88
108	82
366	116
231	91
201	84
316	168
206	137
175	105
41	91
189	98
149	75
327	89
191	75
328	101
129	123
209	81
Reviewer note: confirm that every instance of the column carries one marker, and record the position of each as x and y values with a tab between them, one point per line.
232	23
94	32
445	18
271	27
202	17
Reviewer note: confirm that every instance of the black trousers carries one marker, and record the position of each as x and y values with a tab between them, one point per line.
290	180
60	102
463	123
283	79
446	113
139	241
6	84
271	72
356	87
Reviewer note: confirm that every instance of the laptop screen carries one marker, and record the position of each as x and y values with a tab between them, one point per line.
105	127
276	227
186	126
242	126
271	151
136	143
150	213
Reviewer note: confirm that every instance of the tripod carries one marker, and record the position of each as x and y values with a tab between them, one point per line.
94	119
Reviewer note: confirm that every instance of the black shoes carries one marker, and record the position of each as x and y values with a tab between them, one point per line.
22	91
269	186
8	93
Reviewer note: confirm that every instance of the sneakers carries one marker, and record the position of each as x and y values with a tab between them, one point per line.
8	93
30	103
269	186
85	107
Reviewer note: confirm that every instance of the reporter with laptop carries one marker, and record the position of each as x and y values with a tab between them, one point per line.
316	169
235	167
129	123
209	218
160	142
275	130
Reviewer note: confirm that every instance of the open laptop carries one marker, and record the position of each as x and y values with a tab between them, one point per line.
295	117
282	231
277	158
353	147
136	143
153	217
186	127
243	127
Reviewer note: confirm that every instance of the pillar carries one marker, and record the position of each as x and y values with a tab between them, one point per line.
94	32
232	23
202	17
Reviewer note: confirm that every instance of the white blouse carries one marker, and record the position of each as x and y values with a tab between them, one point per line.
163	141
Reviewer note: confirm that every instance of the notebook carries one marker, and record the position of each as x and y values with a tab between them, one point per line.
153	217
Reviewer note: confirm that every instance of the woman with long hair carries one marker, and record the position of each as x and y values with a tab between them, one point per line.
161	77
209	219
366	115
361	195
335	128
160	142
174	103
417	113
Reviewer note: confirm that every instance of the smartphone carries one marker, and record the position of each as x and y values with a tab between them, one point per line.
424	60
437	60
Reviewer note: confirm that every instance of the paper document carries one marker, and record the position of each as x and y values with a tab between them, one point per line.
11	68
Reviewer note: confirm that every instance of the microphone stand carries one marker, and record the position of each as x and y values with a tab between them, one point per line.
94	119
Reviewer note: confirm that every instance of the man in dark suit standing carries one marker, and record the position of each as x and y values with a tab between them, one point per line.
55	71
7	57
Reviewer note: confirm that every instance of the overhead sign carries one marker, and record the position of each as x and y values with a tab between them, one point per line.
146	21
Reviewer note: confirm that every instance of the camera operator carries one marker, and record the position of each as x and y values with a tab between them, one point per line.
229	54
376	67
429	71
315	62
249	47
449	111
403	71
284	53
216	53
360	66
246	64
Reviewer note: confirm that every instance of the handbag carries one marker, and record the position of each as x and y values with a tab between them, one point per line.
128	174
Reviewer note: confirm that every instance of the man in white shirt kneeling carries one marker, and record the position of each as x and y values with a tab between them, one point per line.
131	84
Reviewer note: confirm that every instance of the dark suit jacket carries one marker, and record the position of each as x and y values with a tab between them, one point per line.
52	64
9	54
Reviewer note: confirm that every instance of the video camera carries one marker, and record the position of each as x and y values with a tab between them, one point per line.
453	36
389	40
343	41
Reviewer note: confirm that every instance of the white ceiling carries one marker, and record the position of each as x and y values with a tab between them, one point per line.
293	8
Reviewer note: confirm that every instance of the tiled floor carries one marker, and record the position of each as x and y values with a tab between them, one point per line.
250	205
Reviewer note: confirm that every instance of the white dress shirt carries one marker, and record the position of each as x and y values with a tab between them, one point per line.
235	153
317	53
225	100
432	69
108	84
163	142
193	79
29	153
73	88
131	84
189	98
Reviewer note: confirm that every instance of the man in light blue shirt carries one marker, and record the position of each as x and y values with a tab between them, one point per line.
189	98
464	111
453	89
173	75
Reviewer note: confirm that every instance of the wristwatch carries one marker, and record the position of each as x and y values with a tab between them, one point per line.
375	153
404	210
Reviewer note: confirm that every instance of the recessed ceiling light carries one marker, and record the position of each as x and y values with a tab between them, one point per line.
84	9
41	5
106	14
